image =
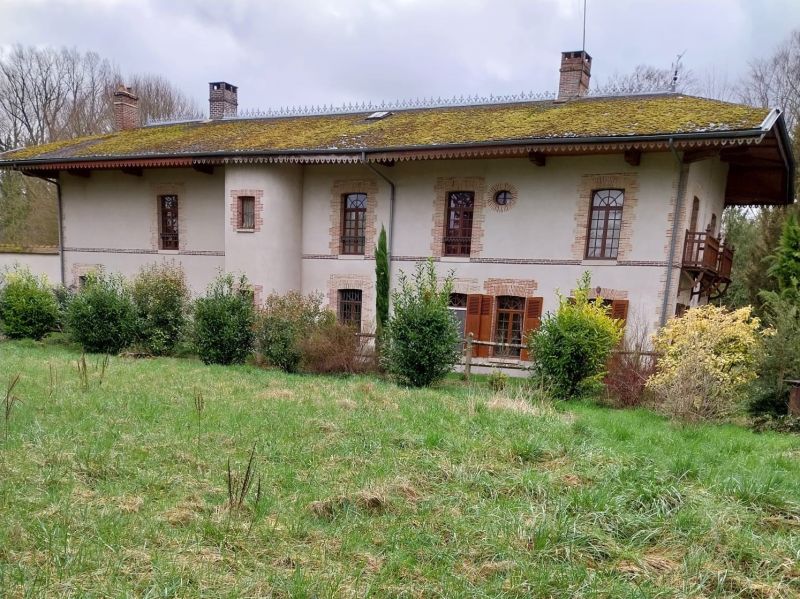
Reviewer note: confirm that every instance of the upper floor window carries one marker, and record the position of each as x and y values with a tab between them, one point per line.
508	326
247	212
350	308
168	213
605	224
458	226
354	218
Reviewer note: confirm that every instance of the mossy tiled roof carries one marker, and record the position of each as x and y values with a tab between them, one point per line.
434	127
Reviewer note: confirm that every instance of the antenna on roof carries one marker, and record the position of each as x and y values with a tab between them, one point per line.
583	45
676	67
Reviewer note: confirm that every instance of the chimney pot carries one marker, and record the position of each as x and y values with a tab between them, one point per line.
576	69
223	100
126	109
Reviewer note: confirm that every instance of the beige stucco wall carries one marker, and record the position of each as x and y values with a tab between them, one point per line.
269	255
111	220
45	264
534	241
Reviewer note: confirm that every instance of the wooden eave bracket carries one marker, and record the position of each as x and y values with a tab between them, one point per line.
206	169
135	172
633	157
538	158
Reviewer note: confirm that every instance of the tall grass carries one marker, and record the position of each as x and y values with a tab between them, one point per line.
370	489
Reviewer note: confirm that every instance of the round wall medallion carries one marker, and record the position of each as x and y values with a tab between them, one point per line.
502	197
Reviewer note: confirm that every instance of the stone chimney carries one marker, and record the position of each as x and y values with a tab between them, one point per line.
223	98
126	109
576	68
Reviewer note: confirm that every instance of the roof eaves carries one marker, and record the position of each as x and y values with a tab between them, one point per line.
316	154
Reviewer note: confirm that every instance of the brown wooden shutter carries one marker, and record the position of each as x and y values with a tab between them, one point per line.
619	310
532	321
473	322
487	307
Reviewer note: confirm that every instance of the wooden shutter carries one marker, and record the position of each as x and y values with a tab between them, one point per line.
532	320
473	322
487	307
619	310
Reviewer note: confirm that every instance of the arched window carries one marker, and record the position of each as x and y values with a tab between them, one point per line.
605	224
458	227
354	219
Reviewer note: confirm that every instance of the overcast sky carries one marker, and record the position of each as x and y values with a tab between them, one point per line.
313	51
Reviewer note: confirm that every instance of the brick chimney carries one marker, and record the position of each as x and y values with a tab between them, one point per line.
126	109
223	98
576	68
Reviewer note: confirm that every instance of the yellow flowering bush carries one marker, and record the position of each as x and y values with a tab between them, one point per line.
707	357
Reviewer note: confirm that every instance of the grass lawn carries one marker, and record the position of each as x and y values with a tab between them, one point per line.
367	489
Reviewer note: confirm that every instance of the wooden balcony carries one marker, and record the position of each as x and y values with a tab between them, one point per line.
708	261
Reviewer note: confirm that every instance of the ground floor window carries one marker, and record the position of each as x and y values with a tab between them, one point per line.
350	308
508	326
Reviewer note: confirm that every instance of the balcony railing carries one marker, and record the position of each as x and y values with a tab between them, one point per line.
704	252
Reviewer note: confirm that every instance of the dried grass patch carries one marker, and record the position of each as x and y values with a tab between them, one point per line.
185	512
129	504
367	501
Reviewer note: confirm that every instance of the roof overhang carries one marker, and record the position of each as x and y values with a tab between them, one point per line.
761	161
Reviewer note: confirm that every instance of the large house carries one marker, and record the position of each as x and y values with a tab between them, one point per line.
516	196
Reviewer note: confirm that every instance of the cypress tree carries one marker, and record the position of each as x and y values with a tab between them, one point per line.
381	282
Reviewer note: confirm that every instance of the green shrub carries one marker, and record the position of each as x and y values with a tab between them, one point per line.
223	321
161	297
780	359
571	348
63	297
101	317
498	380
284	322
28	307
421	339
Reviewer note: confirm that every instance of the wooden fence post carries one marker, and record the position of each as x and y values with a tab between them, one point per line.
468	357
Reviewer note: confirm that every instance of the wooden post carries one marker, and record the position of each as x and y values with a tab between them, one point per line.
468	357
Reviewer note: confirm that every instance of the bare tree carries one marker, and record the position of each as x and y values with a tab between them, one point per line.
647	79
48	95
775	81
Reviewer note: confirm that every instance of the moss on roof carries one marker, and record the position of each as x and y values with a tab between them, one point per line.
620	116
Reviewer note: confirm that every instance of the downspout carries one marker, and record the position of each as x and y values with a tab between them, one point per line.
392	188
57	183
674	236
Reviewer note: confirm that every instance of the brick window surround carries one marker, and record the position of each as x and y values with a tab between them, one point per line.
442	188
629	183
258	208
365	283
339	191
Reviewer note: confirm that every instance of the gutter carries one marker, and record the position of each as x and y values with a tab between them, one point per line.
681	191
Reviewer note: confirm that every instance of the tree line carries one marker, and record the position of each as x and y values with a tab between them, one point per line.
49	94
